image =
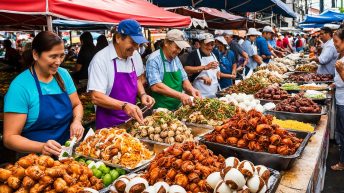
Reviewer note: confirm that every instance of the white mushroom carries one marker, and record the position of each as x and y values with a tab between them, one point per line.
256	184
138	184
234	179
213	179
177	189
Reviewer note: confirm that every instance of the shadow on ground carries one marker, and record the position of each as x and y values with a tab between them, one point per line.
334	180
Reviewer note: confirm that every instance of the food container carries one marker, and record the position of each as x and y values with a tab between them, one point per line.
155	147
264	101
275	161
303	117
274	180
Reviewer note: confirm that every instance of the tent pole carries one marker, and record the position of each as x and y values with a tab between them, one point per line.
70	37
50	23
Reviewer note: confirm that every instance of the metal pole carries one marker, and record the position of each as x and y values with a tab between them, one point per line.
70	37
50	23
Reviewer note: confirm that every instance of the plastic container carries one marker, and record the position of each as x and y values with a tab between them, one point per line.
275	161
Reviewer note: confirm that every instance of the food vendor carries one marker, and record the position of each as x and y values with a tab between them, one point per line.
114	81
166	76
203	67
262	44
328	56
339	94
42	108
227	64
251	49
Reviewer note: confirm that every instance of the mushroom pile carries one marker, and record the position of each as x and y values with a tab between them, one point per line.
162	127
136	183
187	165
238	176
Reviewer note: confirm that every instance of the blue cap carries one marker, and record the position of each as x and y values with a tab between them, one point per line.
133	29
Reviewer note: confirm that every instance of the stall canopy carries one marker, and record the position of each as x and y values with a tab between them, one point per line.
74	25
21	13
216	19
325	17
275	6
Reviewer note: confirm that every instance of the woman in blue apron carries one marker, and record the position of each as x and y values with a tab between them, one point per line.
227	62
42	108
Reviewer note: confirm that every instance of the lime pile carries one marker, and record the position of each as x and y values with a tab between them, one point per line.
101	171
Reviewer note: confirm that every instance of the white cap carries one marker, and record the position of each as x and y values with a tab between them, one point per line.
222	40
228	32
207	37
268	29
279	34
177	37
253	32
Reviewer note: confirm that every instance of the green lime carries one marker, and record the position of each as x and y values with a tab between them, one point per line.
104	169
81	161
67	144
114	174
107	180
120	171
93	167
88	162
97	173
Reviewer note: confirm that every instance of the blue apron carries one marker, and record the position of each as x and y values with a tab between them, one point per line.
225	67
54	118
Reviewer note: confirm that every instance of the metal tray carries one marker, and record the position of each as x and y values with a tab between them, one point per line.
264	101
155	147
200	127
274	180
303	117
275	161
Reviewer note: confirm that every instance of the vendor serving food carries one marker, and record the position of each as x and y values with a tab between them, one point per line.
114	80
166	76
42	107
204	68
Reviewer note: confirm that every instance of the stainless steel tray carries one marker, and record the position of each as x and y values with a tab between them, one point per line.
303	117
275	161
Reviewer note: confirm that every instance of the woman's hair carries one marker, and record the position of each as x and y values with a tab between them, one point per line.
43	42
101	43
340	33
86	40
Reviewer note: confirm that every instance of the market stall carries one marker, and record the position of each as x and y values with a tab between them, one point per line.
266	133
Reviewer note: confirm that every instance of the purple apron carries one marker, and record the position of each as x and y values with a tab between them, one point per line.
124	88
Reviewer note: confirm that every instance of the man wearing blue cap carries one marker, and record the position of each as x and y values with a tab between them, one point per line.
113	77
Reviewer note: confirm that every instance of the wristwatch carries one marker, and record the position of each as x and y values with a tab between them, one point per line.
123	106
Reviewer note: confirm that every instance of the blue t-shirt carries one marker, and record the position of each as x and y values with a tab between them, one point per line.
272	43
23	97
226	66
262	47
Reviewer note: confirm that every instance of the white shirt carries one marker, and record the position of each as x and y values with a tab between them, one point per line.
101	72
339	87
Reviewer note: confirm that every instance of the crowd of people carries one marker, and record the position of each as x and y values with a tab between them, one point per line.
127	69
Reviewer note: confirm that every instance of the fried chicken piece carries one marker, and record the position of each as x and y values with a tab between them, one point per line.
4	174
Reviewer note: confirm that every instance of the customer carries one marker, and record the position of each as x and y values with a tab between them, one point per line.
11	56
328	56
339	94
101	43
87	51
236	48
299	43
262	44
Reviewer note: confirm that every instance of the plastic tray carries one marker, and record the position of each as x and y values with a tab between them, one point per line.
275	161
303	117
